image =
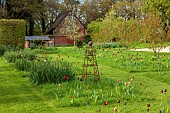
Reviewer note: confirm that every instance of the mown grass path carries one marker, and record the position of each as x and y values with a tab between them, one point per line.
17	95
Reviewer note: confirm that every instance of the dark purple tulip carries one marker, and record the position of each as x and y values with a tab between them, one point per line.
118	101
160	111
81	79
165	90
90	43
148	105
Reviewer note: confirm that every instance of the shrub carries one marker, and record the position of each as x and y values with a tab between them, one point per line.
2	50
87	38
108	45
79	43
12	32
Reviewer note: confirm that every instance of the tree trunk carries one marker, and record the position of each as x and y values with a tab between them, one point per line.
26	29
43	24
9	9
31	26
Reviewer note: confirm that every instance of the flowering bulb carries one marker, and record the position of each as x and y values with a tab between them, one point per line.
118	101
115	109
106	103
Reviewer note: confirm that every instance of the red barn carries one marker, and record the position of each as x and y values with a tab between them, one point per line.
56	34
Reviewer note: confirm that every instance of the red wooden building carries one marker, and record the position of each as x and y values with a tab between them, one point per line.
55	32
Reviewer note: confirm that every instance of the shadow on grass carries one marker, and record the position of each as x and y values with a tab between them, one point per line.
20	99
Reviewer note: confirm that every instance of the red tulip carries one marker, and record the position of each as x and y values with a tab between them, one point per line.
84	75
106	103
65	77
140	83
59	55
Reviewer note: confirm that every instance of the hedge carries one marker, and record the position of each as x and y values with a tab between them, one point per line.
12	32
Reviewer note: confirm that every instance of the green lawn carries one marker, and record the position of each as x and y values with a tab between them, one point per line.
18	95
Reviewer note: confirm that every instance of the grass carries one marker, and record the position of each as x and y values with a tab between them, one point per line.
19	95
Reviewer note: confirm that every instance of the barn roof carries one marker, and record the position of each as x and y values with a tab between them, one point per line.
37	38
59	19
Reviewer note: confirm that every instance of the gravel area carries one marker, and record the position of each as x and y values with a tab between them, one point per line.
166	49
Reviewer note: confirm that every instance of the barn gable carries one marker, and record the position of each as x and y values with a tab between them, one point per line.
54	29
56	33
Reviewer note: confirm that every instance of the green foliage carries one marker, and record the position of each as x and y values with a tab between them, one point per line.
162	7
90	92
10	56
52	50
131	32
12	32
23	64
111	45
2	50
108	45
79	43
152	27
93	27
41	71
33	46
87	38
11	48
50	72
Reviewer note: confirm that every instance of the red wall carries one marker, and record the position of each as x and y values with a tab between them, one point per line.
63	40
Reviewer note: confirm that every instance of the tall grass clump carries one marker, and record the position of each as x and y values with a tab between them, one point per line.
11	48
41	70
50	72
23	64
10	56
